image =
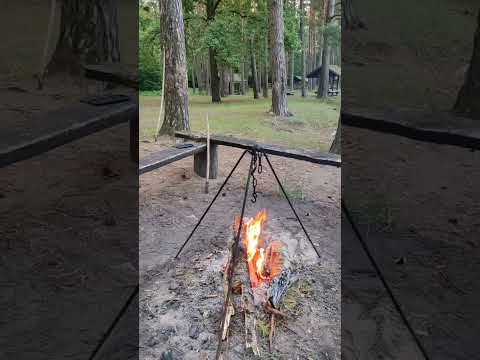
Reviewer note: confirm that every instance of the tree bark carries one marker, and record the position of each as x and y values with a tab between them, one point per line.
336	146
192	72
88	34
277	59
222	83
214	77
311	44
323	82
209	82
196	76
468	99
260	75
253	62
292	71
350	20
242	86
176	82
302	44
265	70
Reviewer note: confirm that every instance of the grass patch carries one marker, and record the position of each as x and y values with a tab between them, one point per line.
294	192
299	290
146	93
263	328
378	214
311	127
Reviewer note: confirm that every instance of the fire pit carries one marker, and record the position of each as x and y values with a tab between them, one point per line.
266	262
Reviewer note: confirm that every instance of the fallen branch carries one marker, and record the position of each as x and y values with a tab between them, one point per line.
272	331
250	325
208	156
274	311
230	309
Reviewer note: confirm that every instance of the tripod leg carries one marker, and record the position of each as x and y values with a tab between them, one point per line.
235	251
210	205
291	205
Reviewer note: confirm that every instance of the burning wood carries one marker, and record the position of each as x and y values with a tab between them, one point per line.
265	261
250	324
265	267
272	331
279	287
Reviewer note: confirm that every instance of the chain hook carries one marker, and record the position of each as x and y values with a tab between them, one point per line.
257	167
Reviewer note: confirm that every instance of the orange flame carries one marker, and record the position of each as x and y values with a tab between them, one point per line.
263	264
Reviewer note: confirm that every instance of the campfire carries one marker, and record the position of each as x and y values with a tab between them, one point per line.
265	268
264	259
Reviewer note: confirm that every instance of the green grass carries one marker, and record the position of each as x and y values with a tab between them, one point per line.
311	127
292	299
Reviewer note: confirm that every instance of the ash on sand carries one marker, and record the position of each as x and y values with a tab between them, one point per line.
181	308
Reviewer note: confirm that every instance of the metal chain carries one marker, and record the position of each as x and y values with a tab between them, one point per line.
257	167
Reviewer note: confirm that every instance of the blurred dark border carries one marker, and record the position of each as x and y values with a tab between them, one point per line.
410	140
68	181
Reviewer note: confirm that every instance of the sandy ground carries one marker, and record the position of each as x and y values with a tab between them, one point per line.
419	213
172	200
416	203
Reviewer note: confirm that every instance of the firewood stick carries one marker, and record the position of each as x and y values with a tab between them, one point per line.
272	331
230	308
159	121
274	311
251	343
208	155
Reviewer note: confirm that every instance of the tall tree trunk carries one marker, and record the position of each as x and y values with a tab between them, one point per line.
242	86
311	44
192	72
225	82
196	76
242	65
253	62
231	83
88	34
336	146
176	81
214	76
209	78
222	81
350	20
277	59
292	71
260	75
302	44
323	82
265	70
468	100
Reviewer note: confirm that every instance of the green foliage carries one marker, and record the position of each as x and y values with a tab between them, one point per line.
223	36
263	328
333	32
292	26
239	27
149	53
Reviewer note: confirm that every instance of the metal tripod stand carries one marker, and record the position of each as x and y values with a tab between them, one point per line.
255	166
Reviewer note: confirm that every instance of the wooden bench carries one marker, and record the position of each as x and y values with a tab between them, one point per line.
167	156
55	128
440	128
216	140
113	72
